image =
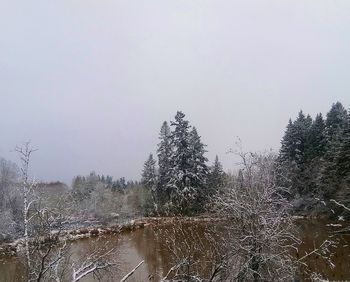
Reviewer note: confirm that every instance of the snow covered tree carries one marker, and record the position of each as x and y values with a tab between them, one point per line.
294	141
149	175
149	181
179	185
335	122
199	168
188	172
334	131
342	162
293	153
316	138
301	126
164	162
343	157
314	152
180	182
216	178
287	144
259	233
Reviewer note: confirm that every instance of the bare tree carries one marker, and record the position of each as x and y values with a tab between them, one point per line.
47	254
25	153
260	233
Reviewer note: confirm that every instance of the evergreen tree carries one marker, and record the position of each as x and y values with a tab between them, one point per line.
147	202
149	175
293	153
343	165
335	122
334	131
164	161
294	142
316	138
199	168
287	150
179	184
315	149
343	157
216	177
188	172
301	127
315	156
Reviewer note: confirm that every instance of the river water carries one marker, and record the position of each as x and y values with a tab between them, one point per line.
153	245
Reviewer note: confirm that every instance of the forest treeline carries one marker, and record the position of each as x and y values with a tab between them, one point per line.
313	163
315	159
179	182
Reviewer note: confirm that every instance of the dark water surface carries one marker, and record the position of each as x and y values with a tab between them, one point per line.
153	245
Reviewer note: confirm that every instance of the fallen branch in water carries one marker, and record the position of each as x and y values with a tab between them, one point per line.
131	272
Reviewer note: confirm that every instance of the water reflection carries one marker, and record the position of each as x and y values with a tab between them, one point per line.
155	245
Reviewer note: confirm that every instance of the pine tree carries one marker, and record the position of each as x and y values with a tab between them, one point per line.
334	131
335	122
343	156
148	203
164	162
199	169
293	153
315	155
189	171
149	175
287	150
316	138
179	184
315	149
301	127
216	177
343	165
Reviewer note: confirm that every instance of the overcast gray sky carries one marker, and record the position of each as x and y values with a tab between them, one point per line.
90	82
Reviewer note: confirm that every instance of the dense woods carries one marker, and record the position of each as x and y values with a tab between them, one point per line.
315	159
313	163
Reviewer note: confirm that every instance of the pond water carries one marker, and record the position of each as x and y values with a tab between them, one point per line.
153	245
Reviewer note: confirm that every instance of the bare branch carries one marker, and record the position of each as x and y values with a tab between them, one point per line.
131	272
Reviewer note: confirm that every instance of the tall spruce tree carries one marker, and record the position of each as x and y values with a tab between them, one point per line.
188	172
181	192
316	138
199	170
287	150
315	149
343	165
343	155
334	131
148	203
149	174
216	177
301	127
335	122
198	161
293	153
164	152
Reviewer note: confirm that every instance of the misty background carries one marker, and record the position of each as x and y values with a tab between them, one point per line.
90	82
